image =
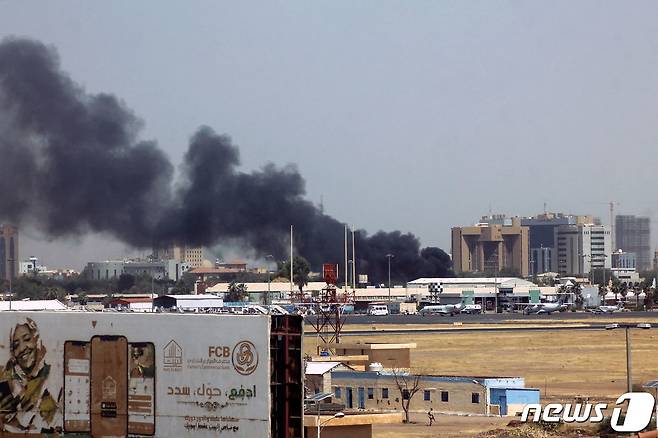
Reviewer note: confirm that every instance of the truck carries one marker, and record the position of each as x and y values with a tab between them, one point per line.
119	374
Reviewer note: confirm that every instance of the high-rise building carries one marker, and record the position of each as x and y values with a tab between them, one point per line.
633	234
541	230
8	252
580	248
491	248
193	256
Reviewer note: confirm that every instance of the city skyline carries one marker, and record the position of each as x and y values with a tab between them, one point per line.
486	98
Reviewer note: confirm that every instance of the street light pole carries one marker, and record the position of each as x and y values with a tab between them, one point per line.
268	297
389	275
626	327
629	382
336	415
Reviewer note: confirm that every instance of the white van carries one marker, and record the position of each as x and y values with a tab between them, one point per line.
378	310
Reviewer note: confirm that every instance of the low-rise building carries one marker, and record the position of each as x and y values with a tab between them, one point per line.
157	269
189	302
390	356
383	391
132	304
277	290
318	375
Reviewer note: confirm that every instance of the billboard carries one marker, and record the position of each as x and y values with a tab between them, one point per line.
113	374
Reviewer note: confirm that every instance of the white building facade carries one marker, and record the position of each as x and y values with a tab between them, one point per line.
582	248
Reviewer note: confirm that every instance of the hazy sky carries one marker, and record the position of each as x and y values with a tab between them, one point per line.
411	115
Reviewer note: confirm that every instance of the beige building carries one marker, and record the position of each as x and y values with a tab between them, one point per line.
318	375
379	391
491	248
9	259
192	255
388	355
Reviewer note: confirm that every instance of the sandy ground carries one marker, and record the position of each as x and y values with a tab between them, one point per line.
445	427
513	321
562	364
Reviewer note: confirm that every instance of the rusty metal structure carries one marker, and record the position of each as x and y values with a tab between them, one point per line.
286	385
329	318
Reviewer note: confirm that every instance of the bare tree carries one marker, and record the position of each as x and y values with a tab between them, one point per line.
408	385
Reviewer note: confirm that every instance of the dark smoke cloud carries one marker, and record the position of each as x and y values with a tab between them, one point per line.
71	162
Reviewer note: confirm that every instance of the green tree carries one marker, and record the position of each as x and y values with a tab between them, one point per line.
55	293
236	292
27	287
82	297
185	285
301	271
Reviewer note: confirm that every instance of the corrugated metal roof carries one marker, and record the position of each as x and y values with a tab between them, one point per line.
193	297
472	280
320	368
33	305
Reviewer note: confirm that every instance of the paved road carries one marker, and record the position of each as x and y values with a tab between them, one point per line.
491	318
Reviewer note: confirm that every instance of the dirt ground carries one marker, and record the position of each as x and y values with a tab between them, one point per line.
562	364
445	427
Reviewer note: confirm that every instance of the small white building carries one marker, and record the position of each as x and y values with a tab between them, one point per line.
32	305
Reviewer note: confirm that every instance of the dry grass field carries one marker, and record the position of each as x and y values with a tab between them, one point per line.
563	364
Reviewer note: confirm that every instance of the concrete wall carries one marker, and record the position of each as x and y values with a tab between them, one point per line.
513	400
389	358
317	383
352	431
459	393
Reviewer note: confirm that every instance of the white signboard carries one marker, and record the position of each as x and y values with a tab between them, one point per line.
164	375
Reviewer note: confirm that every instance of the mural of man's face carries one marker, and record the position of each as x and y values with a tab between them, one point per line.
24	344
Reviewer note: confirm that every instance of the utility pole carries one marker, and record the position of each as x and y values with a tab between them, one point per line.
346	282
353	261
627	327
291	262
629	380
389	256
268	297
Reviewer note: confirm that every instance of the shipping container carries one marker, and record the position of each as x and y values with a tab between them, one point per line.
159	375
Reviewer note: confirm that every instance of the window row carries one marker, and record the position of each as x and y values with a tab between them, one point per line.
427	394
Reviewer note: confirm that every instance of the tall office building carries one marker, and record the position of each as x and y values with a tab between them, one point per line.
542	238
633	234
9	259
491	248
581	248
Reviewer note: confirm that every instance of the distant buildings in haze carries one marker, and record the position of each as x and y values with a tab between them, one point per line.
9	258
633	235
491	247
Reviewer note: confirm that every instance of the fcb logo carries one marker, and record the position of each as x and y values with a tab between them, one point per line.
245	358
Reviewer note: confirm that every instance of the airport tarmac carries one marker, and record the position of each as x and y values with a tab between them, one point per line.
494	318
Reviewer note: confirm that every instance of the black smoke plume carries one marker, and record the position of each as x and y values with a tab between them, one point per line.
72	162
